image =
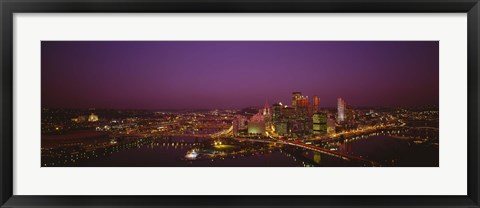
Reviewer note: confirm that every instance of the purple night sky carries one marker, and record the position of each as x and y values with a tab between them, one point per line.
237	74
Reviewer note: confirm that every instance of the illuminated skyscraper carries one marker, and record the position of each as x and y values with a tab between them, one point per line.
302	102
295	97
276	112
341	105
281	128
266	109
288	112
316	104
330	126
319	123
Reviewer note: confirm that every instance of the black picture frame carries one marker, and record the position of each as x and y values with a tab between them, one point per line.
9	7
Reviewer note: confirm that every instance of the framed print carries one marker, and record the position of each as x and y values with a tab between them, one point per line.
242	103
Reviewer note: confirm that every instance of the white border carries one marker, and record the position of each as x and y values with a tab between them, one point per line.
448	179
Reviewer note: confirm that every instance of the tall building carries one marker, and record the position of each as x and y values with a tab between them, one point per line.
281	128
319	123
330	126
266	109
288	112
341	105
276	112
316	104
302	102
279	120
300	105
295	97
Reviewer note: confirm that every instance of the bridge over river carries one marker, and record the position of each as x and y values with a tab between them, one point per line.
326	151
229	133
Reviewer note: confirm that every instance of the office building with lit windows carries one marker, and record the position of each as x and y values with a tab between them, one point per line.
319	123
276	112
281	128
295	97
341	106
330	126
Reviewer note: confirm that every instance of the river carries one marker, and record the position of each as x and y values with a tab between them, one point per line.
386	150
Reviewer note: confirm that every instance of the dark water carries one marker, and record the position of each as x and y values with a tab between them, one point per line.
391	151
168	156
386	150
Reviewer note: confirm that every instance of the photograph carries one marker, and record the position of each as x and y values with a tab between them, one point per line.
239	103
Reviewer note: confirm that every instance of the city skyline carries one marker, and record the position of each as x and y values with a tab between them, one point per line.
240	104
236	74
